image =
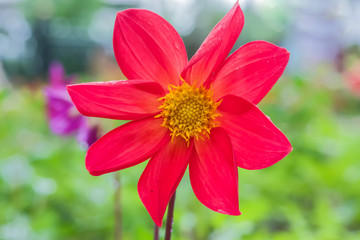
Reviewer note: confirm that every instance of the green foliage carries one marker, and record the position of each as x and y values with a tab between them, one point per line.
73	11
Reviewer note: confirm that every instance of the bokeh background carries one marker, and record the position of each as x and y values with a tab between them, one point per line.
46	192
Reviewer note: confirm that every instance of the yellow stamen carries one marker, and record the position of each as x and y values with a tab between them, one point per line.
189	111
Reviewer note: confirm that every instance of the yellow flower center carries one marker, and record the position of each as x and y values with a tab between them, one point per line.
189	111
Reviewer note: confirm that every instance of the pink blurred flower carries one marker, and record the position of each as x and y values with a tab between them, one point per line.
200	113
352	79
63	117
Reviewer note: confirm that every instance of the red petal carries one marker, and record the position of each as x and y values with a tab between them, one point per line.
213	173
256	141
162	176
126	146
251	71
146	46
125	100
217	45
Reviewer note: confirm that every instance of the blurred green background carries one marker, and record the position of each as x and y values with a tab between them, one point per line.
46	192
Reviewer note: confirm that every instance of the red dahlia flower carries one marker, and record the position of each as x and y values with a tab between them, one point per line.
200	113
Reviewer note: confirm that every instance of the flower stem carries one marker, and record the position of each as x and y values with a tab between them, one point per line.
156	232
170	218
117	208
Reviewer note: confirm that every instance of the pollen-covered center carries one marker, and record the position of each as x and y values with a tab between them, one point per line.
189	111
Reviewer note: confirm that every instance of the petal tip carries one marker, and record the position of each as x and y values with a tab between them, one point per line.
286	53
238	213
155	217
95	174
232	212
158	223
283	51
238	9
290	149
69	89
90	165
235	212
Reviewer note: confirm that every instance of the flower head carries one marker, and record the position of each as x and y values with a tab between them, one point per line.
200	113
189	111
63	117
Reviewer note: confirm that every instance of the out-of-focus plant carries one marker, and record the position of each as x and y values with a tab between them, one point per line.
63	117
352	79
73	11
